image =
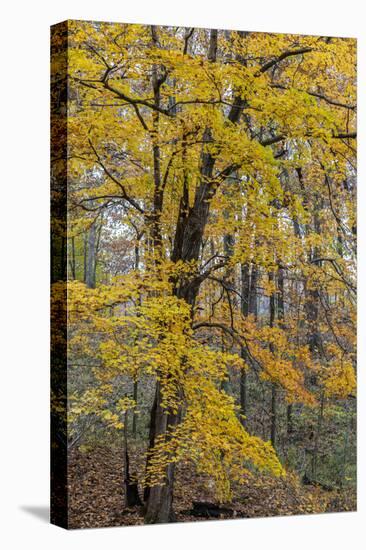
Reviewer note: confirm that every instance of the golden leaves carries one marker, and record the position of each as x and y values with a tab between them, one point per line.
127	144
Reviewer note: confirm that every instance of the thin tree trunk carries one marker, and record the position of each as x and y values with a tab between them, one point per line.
274	416
125	460
134	415
245	300
85	255
272	313
248	307
72	259
132	497
253	302
314	462
342	475
281	316
290	427
229	279
63	259
243	393
96	252
91	255
135	383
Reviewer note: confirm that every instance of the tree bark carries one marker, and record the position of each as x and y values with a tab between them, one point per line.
187	246
274	416
244	304
314	462
132	497
91	256
85	256
188	239
159	498
290	427
72	259
248	306
134	416
272	314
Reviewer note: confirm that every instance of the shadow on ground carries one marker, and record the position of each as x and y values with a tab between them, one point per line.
40	512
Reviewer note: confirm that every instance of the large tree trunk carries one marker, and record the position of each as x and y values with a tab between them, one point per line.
189	233
159	498
188	238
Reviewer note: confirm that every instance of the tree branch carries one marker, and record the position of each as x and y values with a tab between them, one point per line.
284	55
125	196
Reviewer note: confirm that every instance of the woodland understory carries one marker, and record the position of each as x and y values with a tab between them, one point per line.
205	273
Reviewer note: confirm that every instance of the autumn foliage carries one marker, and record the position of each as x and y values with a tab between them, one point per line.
209	249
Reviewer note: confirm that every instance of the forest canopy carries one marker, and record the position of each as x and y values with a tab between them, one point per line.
208	259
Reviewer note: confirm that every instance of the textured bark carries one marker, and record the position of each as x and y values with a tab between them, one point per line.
159	498
160	501
188	239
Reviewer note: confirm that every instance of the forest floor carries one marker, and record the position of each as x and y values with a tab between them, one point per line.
96	493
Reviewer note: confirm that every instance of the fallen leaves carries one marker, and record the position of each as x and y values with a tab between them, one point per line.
96	493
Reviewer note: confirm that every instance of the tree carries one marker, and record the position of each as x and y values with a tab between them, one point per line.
183	137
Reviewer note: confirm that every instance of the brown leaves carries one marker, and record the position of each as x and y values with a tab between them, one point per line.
96	493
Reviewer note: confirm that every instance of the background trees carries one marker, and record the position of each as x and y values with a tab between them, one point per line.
211	251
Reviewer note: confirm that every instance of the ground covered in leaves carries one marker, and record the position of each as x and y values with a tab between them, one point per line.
96	494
